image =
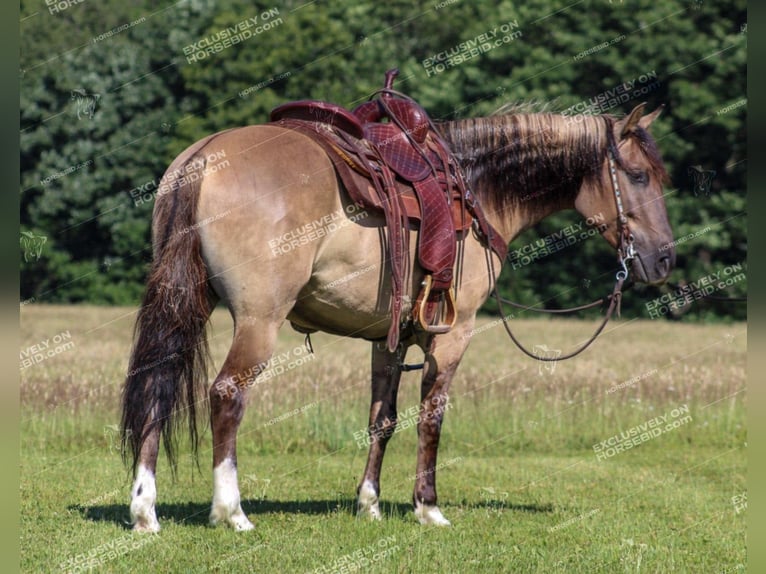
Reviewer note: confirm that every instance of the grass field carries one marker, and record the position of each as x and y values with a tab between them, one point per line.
529	476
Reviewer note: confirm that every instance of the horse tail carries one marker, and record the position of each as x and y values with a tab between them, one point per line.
168	363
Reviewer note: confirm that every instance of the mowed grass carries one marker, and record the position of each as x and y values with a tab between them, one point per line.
518	477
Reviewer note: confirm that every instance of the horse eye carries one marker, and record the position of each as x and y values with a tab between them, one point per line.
638	177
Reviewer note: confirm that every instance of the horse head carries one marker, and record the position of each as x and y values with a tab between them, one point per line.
627	193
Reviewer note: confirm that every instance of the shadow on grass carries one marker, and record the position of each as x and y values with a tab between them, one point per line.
197	513
505	505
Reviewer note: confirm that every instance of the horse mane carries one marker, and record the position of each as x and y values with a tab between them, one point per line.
515	156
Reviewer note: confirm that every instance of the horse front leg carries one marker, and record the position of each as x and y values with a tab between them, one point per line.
386	373
441	361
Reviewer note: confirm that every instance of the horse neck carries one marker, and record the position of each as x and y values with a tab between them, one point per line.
523	167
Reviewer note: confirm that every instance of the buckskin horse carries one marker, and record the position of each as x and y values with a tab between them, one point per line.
275	236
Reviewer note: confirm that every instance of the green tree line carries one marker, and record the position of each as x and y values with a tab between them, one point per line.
111	92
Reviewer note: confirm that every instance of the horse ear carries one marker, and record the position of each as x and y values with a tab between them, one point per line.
646	121
627	124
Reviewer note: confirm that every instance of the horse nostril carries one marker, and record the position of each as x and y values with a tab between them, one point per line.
664	265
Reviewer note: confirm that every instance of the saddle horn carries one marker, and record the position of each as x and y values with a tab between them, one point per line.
390	77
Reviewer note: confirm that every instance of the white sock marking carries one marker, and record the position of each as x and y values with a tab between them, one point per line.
143	495
367	503
226	504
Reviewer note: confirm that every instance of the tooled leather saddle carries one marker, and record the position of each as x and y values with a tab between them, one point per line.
392	160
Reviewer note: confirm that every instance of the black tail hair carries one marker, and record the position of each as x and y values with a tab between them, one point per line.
168	363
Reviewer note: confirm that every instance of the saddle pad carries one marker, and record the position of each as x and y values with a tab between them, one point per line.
362	193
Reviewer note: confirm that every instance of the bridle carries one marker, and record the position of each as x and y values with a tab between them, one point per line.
625	254
625	249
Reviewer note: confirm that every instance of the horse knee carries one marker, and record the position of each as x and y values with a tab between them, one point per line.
432	414
430	425
383	429
430	422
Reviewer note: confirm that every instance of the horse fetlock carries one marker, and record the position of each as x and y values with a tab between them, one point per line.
367	502
226	507
226	510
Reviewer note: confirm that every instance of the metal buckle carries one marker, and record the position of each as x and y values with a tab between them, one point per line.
630	254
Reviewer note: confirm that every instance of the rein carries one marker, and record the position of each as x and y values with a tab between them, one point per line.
625	253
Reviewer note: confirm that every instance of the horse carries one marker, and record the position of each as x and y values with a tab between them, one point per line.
256	217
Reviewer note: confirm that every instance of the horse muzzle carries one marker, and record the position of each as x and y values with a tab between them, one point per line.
653	267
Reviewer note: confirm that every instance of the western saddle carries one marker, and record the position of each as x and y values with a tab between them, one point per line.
392	161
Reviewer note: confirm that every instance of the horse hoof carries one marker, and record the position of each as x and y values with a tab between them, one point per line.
237	519
372	512
428	514
144	521
143	517
239	524
242	524
146	527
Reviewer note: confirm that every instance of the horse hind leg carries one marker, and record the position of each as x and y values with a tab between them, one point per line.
248	353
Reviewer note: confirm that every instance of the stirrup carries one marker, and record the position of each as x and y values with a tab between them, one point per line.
449	317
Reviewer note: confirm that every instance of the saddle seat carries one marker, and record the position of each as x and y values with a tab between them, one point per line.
393	161
322	112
